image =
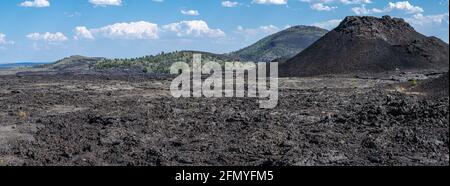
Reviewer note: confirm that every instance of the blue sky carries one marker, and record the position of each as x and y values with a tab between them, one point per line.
47	30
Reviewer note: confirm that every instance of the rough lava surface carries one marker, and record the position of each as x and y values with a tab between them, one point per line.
110	119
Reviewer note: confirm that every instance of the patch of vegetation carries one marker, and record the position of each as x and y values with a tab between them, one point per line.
413	82
22	114
160	63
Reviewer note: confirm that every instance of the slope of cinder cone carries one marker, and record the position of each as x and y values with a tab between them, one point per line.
369	44
434	87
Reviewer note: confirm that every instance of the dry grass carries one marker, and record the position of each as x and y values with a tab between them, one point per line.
23	114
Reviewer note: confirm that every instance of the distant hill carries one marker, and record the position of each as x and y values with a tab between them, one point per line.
19	65
73	63
158	63
369	44
281	45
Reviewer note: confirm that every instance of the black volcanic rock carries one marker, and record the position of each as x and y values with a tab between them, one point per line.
281	45
369	44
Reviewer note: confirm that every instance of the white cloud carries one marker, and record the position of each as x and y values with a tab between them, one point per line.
133	30
47	37
3	40
72	14
431	25
143	30
82	32
423	20
190	12
267	29
270	2
229	4
248	36
326	5
158	1
322	7
329	25
364	11
348	2
106	2
35	3
195	28
403	6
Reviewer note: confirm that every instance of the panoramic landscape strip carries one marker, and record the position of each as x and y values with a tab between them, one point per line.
259	83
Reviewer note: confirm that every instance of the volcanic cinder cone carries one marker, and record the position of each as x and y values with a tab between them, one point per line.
369	44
